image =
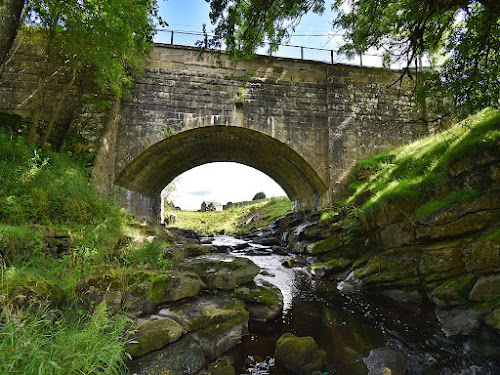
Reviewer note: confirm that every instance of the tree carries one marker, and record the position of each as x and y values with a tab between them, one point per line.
10	14
106	40
243	25
467	32
464	33
259	195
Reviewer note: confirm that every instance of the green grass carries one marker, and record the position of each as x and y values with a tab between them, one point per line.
93	345
231	220
46	189
418	170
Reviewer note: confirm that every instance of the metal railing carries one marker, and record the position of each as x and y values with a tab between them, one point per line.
190	39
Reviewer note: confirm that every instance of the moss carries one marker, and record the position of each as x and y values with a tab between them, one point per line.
418	170
455	197
32	291
334	264
268	294
225	319
454	291
158	286
328	244
301	355
492	236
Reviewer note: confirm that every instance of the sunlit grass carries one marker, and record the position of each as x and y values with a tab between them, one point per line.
415	170
232	219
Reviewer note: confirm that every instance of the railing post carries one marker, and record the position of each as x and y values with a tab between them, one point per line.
172	38
302	53
331	55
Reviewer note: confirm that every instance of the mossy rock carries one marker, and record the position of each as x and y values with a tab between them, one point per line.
441	260
300	355
221	271
493	319
221	367
453	292
219	338
201	312
330	267
264	301
484	254
333	243
152	335
137	289
92	290
34	293
397	266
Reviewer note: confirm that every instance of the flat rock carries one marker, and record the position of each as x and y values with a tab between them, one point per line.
205	311
264	300
151	335
184	356
219	338
403	295
221	271
330	267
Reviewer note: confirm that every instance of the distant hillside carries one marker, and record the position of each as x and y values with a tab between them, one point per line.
241	217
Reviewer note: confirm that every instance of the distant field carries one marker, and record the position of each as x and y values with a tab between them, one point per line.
235	218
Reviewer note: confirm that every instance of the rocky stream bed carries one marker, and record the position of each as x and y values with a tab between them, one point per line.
251	292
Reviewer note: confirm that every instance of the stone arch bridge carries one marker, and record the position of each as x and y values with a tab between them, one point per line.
303	123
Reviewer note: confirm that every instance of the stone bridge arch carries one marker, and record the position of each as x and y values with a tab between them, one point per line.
160	163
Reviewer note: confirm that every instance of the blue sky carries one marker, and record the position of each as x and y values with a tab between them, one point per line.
223	182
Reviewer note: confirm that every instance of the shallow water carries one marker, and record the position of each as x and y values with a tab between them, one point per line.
347	326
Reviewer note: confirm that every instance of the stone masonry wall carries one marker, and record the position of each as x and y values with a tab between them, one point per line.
330	115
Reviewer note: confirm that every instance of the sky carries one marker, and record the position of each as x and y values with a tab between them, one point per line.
223	182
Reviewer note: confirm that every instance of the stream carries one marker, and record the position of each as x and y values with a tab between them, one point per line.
348	325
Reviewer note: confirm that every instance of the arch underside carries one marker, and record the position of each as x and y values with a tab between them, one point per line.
158	165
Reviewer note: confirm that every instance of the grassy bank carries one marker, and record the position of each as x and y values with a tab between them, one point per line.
419	171
235	219
46	196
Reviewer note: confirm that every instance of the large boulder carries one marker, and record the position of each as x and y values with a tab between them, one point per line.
264	300
34	293
300	355
219	338
182	357
386	361
460	219
153	334
217	323
205	311
221	271
139	291
441	260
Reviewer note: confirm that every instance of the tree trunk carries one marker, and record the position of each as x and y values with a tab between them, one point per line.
10	14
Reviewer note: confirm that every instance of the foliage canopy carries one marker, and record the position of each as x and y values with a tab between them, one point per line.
463	33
